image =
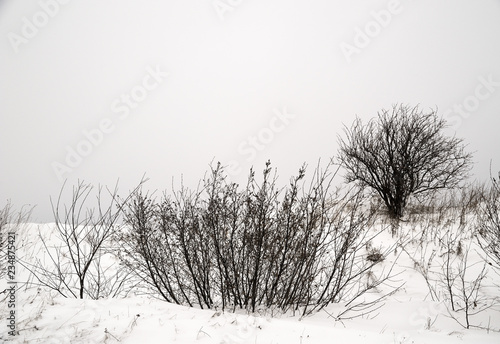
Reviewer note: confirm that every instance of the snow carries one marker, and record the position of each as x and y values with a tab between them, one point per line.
408	316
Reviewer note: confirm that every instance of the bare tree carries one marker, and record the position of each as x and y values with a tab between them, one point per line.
401	153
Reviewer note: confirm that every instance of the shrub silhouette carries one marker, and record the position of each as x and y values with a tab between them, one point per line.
259	246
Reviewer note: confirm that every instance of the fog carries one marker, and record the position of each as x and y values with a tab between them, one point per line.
112	91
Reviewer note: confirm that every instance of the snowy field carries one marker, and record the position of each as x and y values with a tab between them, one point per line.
407	316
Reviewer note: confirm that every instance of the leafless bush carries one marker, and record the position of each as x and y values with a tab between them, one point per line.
464	283
11	221
489	223
290	248
76	265
442	245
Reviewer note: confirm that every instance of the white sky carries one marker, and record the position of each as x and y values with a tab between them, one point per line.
228	74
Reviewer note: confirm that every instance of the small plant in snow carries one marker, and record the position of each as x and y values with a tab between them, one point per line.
375	255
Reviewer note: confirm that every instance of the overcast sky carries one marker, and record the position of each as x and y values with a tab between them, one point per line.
107	90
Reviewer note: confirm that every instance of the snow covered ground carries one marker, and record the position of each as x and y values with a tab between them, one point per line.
408	316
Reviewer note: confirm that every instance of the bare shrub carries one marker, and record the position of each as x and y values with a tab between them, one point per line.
75	265
443	243
291	248
11	221
464	283
489	223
